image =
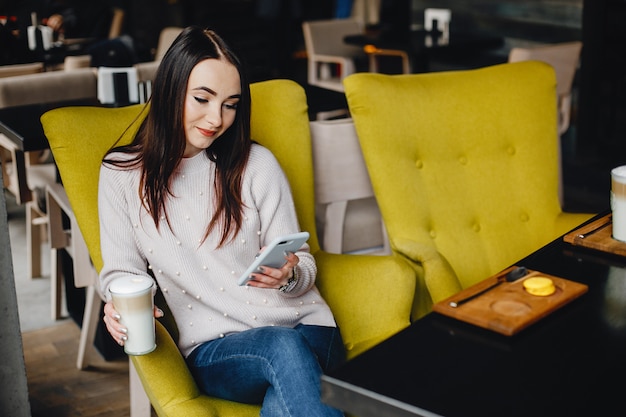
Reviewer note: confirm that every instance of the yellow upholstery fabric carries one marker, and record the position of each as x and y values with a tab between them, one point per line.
464	166
371	296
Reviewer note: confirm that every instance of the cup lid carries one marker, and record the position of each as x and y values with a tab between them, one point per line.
130	285
619	171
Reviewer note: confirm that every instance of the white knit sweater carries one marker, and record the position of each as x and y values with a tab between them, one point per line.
199	281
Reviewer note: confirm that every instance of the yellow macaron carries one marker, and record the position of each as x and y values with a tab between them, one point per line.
540	286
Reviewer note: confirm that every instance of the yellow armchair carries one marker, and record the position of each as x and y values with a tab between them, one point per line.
371	296
464	166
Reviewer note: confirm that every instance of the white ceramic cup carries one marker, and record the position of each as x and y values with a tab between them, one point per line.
618	202
133	300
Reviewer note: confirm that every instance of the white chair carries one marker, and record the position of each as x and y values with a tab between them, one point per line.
21	178
65	236
564	58
146	71
330	59
166	38
348	217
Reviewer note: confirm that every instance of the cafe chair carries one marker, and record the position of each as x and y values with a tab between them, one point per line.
330	59
166	38
25	177
371	296
348	217
564	58
146	71
464	166
65	237
26	174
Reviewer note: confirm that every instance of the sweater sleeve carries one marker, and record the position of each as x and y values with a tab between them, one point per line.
121	254
273	200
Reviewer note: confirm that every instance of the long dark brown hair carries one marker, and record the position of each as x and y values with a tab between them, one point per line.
160	142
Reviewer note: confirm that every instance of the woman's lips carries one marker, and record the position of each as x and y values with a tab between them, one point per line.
206	132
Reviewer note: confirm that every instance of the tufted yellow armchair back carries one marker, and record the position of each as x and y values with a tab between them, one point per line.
464	166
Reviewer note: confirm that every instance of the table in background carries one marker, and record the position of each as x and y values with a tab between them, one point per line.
422	46
571	363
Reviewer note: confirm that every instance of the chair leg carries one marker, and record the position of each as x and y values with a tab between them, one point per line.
333	229
90	324
34	238
139	401
56	283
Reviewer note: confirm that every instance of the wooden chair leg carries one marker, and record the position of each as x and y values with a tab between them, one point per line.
91	317
34	238
56	284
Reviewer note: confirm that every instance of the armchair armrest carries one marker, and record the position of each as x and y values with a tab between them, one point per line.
371	296
171	387
438	276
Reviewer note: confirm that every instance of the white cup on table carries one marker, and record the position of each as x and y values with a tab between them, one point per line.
133	300
618	202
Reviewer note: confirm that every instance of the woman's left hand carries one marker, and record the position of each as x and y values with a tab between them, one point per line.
275	277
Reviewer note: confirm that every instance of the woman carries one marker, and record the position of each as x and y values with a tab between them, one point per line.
193	199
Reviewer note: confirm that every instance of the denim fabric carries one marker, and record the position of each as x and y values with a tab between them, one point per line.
276	366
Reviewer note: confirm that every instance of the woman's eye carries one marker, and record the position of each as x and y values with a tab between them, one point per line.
231	106
201	100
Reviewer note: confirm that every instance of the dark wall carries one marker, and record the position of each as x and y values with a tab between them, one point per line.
603	81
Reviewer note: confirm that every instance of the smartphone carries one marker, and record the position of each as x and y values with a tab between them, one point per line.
274	254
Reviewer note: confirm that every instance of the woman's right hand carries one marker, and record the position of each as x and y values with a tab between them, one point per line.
114	327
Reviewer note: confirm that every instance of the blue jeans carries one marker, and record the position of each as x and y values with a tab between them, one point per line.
276	366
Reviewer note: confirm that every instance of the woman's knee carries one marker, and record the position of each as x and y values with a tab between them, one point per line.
288	344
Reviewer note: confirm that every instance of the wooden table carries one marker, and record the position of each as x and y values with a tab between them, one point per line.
570	363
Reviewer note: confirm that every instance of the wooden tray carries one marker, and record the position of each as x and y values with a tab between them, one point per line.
597	235
508	308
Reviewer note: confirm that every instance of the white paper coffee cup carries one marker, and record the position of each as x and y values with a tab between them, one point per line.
618	202
133	300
